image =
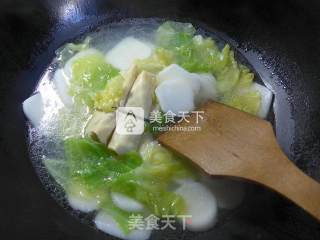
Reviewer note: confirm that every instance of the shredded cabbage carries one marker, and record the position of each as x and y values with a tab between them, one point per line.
163	165
174	34
243	97
156	62
109	98
120	216
67	51
58	169
154	195
93	171
248	101
90	74
150	182
93	165
198	54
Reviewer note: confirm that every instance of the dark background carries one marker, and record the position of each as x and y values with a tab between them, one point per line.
281	41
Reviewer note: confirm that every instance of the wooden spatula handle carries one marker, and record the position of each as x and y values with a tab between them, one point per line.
236	144
293	184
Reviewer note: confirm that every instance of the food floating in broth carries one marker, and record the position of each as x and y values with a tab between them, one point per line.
123	55
164	67
33	108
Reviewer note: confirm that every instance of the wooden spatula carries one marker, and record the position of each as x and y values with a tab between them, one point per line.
236	144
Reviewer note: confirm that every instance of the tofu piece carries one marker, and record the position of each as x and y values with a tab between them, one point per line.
123	55
140	96
142	92
101	125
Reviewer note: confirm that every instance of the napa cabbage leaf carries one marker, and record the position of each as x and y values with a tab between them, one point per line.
90	74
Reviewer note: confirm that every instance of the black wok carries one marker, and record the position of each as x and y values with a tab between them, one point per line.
279	39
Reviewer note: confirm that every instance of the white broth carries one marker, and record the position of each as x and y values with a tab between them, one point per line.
106	169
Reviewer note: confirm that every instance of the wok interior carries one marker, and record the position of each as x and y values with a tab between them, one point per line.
272	38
